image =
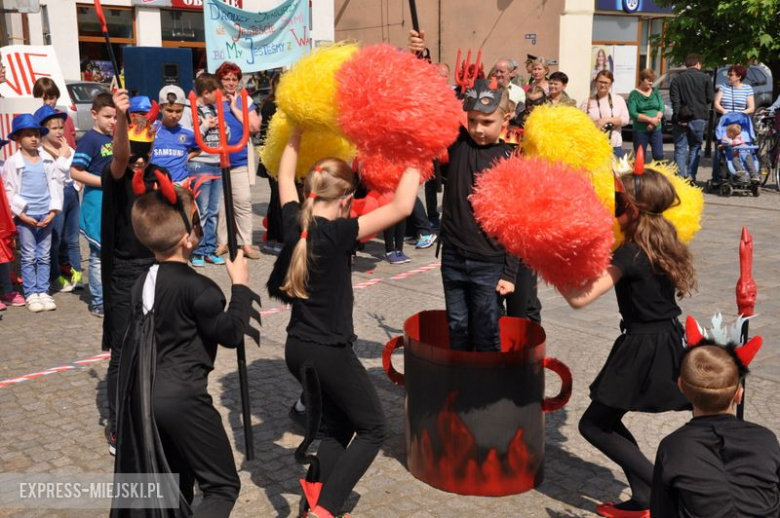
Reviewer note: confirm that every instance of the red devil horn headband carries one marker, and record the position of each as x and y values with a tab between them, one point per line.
166	187
139	187
639	161
723	337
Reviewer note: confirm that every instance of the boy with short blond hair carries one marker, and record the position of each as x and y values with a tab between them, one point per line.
180	314
716	465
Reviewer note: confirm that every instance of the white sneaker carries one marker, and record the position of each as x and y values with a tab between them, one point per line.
47	301
34	304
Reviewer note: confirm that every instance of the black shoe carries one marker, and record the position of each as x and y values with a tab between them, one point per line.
299	418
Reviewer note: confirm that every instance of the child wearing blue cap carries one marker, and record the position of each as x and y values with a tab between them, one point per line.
33	185
65	228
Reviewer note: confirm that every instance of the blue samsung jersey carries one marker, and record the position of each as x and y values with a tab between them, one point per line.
170	149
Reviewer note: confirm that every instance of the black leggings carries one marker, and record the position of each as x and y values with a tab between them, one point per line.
196	446
602	426
350	408
394	237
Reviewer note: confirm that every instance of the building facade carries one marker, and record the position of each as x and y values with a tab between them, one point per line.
575	36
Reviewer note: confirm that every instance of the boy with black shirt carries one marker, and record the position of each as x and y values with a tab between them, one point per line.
123	257
475	269
167	423
716	465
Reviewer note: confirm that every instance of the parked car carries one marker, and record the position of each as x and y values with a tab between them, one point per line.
81	94
758	76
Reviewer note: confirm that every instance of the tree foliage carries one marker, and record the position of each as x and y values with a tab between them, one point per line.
724	31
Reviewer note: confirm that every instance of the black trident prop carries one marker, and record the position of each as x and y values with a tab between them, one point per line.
104	27
224	151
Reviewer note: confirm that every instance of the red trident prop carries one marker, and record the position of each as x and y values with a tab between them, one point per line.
224	150
465	75
102	19
746	294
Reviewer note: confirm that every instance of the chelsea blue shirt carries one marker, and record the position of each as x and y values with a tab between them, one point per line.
170	149
94	153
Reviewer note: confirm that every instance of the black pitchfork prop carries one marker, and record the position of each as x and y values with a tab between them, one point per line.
224	150
746	295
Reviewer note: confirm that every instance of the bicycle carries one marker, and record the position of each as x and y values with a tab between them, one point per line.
768	139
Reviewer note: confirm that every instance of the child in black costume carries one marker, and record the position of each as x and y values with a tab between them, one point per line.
641	371
313	272
716	465
124	259
476	270
166	419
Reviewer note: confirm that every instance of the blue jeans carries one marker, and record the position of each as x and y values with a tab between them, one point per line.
687	147
65	230
473	305
208	200
654	138
618	151
35	246
95	281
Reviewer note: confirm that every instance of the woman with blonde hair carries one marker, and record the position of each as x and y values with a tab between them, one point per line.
539	72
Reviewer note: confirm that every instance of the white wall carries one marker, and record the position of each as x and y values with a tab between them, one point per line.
575	46
148	27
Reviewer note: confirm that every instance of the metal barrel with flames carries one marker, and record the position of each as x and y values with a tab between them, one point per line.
475	420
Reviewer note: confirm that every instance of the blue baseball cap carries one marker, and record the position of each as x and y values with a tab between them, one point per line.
140	103
23	122
46	112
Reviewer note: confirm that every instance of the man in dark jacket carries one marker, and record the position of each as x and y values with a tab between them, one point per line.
691	94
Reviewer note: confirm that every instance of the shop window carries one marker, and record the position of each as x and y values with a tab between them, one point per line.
185	26
615	28
118	20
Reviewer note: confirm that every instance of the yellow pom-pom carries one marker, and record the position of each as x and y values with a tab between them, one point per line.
685	217
307	93
316	144
568	135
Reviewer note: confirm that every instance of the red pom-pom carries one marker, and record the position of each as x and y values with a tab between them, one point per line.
381	174
548	215
396	109
372	201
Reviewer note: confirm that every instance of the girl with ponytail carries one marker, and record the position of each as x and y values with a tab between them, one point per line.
313	274
647	271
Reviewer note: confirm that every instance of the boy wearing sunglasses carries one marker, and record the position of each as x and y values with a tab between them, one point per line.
123	256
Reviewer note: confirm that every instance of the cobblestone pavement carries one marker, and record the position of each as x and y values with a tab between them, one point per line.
55	423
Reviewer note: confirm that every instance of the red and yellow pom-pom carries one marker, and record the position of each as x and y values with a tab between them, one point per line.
548	215
396	108
372	201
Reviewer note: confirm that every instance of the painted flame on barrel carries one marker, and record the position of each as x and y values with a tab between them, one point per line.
457	469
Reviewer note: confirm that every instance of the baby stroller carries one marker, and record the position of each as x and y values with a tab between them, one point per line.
734	179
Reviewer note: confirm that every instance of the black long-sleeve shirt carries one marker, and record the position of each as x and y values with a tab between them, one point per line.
459	228
717	467
190	321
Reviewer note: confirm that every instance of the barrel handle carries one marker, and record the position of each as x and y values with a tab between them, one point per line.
387	360
550	404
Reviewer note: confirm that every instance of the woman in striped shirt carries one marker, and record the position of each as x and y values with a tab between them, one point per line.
735	96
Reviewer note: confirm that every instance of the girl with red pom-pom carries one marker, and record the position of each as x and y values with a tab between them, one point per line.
476	270
313	273
640	375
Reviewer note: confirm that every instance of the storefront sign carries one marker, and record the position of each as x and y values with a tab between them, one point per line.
632	6
256	41
26	63
195	5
